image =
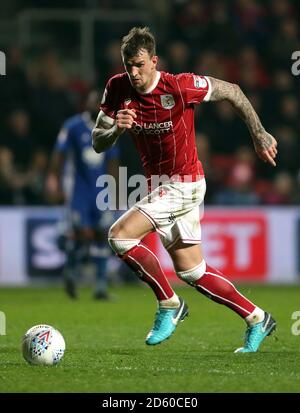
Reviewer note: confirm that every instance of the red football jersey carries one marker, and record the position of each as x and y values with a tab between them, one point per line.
164	131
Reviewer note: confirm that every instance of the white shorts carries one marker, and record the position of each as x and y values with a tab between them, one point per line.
175	210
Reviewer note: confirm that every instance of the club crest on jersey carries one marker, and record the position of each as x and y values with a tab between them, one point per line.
199	82
127	102
167	101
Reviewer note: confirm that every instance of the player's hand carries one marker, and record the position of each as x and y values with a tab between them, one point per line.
266	147
125	119
53	190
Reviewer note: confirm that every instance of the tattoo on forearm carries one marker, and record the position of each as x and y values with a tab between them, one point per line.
104	134
264	141
222	90
104	138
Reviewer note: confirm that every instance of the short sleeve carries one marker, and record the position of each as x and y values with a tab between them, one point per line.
63	141
196	89
109	103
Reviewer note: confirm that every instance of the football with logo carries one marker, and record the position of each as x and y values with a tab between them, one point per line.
43	345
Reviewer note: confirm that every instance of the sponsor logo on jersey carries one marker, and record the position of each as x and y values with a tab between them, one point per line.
199	82
167	101
152	128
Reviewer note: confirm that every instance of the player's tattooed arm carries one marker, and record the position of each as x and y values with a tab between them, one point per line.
107	130
105	133
264	143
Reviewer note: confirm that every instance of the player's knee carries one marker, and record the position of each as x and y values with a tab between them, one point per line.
193	275
121	246
120	239
121	229
115	231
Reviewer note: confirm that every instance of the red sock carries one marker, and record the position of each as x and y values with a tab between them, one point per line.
214	285
145	263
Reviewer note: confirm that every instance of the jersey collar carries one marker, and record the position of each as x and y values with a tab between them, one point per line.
154	84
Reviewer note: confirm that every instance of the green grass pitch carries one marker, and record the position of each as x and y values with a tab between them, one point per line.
106	351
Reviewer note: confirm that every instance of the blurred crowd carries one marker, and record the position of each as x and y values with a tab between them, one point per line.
247	42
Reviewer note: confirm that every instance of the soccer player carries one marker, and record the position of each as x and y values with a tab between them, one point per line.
157	108
74	170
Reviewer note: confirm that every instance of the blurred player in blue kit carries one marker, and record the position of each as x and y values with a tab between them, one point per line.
73	173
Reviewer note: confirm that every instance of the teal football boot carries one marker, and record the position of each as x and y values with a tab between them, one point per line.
256	334
165	323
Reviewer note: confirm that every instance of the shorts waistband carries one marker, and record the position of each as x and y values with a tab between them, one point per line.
179	178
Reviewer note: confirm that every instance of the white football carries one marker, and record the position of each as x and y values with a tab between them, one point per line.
43	345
